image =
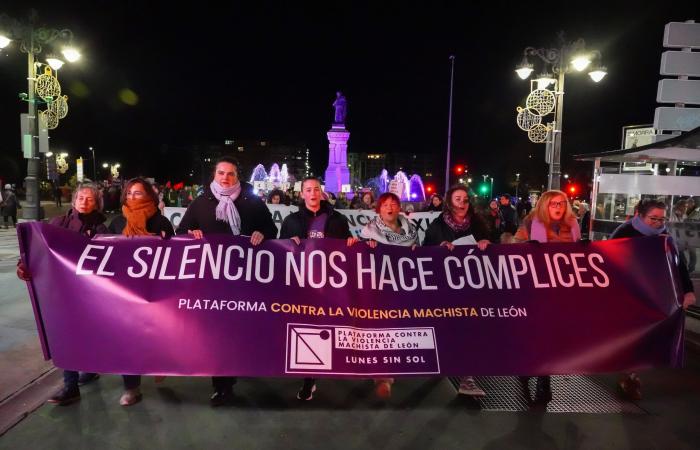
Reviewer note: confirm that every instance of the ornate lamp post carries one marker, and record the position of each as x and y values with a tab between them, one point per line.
31	41
566	58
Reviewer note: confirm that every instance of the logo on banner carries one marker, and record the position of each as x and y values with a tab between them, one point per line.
309	348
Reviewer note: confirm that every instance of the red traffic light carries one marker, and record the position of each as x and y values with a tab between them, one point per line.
573	189
459	169
429	188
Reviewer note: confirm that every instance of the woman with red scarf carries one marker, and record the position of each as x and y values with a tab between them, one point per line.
140	217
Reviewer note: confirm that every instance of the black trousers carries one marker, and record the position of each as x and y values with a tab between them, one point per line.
223	384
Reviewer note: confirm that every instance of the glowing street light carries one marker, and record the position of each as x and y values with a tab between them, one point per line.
43	88
564	59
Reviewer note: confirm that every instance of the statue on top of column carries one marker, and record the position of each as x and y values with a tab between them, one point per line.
340	105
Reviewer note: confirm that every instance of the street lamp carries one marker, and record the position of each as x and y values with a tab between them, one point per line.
94	170
113	169
449	125
31	41
566	58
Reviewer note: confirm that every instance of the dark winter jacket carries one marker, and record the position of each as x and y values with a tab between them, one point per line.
156	224
438	231
201	215
510	218
627	230
297	224
10	204
494	220
85	224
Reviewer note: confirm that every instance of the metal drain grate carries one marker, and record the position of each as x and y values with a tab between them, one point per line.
570	394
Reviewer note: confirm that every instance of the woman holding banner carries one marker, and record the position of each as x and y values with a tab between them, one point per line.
391	228
552	220
649	220
140	217
84	217
316	219
458	220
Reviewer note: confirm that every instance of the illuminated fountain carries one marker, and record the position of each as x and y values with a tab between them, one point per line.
416	189
284	174
278	177
407	189
274	174
259	174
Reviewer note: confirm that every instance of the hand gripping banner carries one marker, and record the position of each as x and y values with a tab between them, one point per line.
218	306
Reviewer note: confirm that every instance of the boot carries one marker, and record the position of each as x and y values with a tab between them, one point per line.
543	393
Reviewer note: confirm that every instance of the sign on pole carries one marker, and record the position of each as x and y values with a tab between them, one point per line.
682	35
79	167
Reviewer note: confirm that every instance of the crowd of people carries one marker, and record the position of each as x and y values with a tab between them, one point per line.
230	206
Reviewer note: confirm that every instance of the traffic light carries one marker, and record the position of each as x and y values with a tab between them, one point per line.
573	190
429	188
459	169
484	188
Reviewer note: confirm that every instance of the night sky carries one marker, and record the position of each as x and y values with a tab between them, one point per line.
270	71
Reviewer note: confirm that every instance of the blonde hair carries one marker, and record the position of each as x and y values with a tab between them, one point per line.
541	209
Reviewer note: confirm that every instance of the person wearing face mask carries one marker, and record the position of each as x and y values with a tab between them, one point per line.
84	217
391	228
552	220
140	217
316	219
228	206
650	220
458	220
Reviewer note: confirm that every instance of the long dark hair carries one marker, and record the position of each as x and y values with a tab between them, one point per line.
447	203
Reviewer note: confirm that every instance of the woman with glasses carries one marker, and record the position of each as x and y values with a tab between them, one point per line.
650	220
140	217
552	220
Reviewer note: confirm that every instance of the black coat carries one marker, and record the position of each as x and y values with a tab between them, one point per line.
297	224
438	231
510	218
85	224
156	224
627	230
201	215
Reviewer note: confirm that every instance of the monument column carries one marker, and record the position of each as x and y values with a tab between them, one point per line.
337	173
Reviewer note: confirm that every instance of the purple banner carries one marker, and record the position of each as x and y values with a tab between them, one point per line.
219	306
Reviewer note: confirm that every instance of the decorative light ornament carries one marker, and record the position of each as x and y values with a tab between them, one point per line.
527	118
50	119
60	106
47	86
538	133
542	101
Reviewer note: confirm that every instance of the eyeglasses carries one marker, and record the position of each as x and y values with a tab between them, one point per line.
561	204
657	219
